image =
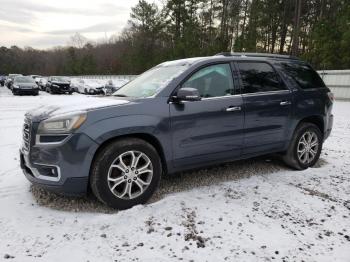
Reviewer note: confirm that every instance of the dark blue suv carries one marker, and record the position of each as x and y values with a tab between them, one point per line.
178	115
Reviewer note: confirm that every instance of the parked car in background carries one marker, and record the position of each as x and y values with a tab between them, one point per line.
2	80
74	84
179	115
9	80
42	83
58	85
113	85
36	78
24	85
90	86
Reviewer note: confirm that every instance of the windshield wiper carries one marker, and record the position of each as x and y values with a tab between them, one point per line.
121	95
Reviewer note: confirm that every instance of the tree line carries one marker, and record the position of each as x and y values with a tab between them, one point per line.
315	30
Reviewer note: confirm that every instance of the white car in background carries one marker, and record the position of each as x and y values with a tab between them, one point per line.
113	85
75	84
36	78
89	86
41	81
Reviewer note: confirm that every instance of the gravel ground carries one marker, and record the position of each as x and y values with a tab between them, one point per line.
170	184
250	210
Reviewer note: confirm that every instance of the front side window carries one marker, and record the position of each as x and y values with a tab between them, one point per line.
259	77
212	81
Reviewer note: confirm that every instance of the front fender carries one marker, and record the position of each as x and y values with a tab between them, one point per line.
157	127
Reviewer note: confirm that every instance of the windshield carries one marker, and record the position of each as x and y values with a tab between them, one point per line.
59	79
150	82
24	79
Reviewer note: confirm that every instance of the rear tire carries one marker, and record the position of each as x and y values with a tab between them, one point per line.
305	147
121	182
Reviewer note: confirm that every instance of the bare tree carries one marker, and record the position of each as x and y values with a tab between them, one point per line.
78	40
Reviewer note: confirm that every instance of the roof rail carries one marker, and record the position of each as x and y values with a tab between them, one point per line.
238	54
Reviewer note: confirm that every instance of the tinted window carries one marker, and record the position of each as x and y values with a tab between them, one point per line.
303	75
212	81
259	77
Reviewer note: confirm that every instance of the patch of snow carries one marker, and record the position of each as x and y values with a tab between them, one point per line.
251	210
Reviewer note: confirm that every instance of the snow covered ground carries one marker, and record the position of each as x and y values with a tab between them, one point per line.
252	210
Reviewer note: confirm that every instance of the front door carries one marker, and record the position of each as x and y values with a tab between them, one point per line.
267	107
210	129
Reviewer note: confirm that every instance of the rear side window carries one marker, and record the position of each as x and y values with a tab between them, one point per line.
259	77
304	76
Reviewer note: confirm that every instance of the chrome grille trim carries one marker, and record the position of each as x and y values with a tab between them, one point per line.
26	133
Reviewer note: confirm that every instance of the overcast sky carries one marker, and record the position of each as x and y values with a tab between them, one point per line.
47	23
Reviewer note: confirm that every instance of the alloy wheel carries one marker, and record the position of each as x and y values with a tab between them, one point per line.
130	174
307	147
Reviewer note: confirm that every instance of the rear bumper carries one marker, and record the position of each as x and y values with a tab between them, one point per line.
329	127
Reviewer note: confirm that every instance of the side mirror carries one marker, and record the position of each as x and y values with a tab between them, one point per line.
187	94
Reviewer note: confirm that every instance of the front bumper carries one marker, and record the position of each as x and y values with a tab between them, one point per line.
61	89
97	91
32	91
60	167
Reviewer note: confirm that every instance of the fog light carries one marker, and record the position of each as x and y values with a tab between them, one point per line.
49	171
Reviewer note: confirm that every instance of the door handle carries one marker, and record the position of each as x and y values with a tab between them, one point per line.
233	108
285	103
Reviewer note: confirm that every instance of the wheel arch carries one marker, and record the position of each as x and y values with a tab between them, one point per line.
144	136
314	119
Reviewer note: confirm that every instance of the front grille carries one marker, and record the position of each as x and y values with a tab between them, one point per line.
63	86
26	133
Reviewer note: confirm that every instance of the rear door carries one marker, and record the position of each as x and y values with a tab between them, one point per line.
267	107
210	129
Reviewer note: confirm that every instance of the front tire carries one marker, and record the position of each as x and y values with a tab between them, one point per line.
125	173
305	147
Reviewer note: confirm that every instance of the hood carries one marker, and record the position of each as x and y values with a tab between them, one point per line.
75	104
26	85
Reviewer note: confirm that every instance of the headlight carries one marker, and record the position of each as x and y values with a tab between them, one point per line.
62	124
15	86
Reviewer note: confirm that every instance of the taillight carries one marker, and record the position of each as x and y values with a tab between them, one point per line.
331	96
